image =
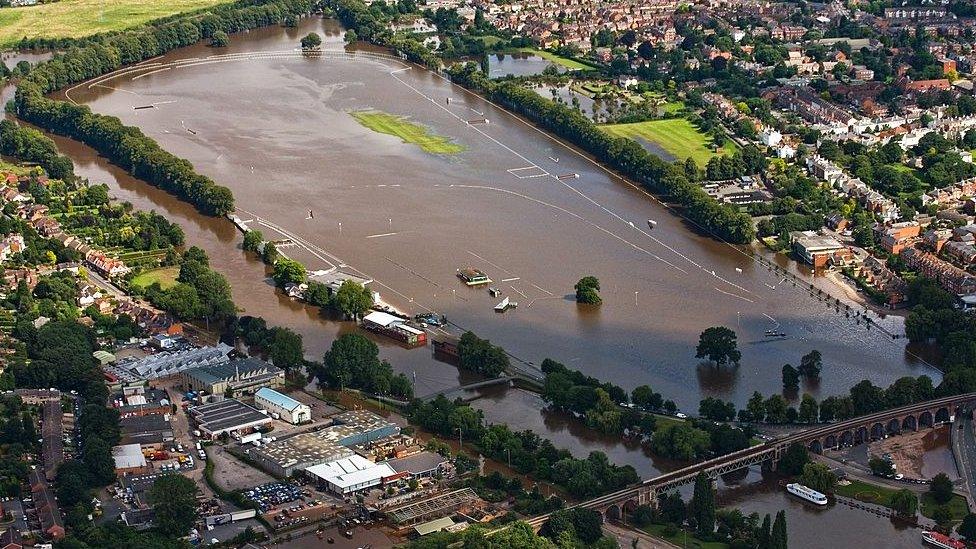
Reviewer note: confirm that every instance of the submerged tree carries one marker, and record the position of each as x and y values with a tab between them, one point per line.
718	344
586	291
311	41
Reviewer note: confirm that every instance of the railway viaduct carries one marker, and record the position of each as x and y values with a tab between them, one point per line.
832	435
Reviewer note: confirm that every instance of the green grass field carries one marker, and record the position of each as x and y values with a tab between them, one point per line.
682	538
570	64
79	18
868	493
165	276
407	131
677	136
957	506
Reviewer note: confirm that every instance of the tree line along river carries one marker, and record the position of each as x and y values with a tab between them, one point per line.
276	130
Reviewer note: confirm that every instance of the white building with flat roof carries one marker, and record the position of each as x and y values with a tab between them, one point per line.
352	474
287	408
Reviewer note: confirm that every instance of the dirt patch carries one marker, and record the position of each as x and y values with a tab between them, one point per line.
908	450
232	474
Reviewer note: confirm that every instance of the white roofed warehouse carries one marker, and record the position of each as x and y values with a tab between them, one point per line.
284	406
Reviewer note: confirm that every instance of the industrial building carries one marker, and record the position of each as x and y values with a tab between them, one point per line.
360	426
226	416
149	431
284	406
297	453
284	457
234	378
167	364
352	474
129	459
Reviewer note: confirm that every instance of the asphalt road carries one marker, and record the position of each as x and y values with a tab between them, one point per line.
967	450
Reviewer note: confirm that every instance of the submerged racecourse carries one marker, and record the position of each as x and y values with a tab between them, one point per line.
275	127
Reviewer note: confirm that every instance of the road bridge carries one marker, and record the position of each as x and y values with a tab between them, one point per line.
832	435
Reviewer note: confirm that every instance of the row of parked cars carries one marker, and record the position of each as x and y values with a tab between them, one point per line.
274	493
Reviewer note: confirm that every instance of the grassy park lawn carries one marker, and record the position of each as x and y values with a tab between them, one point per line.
868	493
682	539
165	276
957	506
407	131
78	18
678	136
570	64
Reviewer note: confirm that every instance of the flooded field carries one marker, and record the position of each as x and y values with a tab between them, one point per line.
282	139
511	204
517	64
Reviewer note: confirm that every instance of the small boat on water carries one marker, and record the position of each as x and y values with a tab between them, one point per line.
473	277
941	540
808	494
494	292
651	223
774	333
505	305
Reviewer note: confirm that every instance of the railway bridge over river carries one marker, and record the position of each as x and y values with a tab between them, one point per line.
816	439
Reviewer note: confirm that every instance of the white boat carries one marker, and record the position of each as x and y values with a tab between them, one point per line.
943	541
503	306
808	494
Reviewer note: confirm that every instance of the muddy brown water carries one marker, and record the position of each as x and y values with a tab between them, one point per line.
278	133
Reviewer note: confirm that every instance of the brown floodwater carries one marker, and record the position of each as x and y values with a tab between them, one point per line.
282	139
277	131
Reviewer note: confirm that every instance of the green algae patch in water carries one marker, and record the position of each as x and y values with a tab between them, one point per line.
407	131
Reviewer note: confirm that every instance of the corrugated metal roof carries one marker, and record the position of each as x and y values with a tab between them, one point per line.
282	401
435	525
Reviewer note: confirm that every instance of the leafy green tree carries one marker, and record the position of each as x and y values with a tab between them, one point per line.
173	499
481	356
349	353
811	364
252	240
905	502
288	270
718	344
681	441
703	506
219	39
791	378
756	407
311	41
794	459
776	409
645	398
941	488
352	299
777	536
967	528
587	291
819	477
808	409
269	254
286	351
764	535
881	467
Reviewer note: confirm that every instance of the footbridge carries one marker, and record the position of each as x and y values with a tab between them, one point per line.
832	435
452	392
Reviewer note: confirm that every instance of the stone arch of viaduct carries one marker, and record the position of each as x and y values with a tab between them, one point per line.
877	428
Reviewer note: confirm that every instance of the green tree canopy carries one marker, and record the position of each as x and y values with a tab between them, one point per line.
718	344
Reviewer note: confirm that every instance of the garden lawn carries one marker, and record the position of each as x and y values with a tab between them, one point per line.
566	62
957	506
165	276
677	136
79	18
407	131
868	493
682	539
